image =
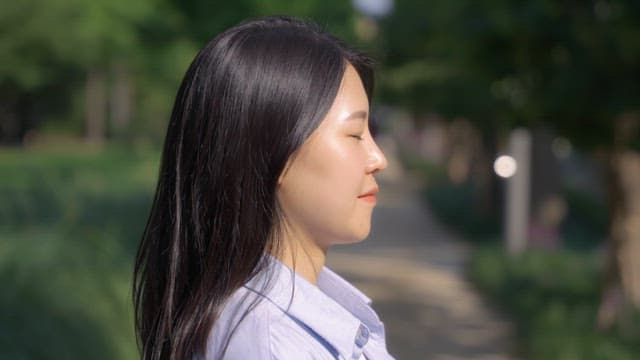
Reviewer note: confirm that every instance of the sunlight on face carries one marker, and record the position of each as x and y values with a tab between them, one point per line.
328	190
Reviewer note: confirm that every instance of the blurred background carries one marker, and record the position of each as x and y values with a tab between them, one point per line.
515	123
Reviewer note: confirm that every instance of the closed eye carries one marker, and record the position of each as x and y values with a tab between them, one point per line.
359	137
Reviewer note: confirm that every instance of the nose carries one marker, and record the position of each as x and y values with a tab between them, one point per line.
376	160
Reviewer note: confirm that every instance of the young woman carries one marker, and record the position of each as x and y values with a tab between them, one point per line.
268	162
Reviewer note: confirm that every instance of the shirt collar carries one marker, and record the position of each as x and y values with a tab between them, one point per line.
334	309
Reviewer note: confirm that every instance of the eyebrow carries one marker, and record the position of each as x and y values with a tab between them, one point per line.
357	115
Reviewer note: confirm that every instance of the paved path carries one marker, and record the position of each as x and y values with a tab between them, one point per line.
413	269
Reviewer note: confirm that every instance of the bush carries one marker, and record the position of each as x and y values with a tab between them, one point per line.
587	221
453	204
553	296
69	225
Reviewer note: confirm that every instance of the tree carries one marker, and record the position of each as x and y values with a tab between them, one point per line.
124	58
49	46
207	18
569	65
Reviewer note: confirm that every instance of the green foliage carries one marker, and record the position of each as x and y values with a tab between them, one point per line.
554	297
452	205
66	296
69	225
49	47
587	222
207	18
502	63
40	37
427	171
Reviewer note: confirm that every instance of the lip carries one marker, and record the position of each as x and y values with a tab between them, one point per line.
370	195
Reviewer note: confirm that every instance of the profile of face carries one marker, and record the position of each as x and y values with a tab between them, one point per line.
327	190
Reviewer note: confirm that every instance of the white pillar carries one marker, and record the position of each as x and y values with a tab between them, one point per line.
518	192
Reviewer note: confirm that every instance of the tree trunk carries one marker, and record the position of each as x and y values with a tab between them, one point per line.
611	293
628	165
464	145
16	116
9	120
622	276
488	197
121	104
548	207
95	106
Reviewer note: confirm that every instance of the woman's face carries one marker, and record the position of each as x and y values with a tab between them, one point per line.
327	191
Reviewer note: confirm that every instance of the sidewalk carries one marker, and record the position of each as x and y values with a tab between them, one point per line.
413	269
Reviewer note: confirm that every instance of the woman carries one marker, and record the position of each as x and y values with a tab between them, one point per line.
267	163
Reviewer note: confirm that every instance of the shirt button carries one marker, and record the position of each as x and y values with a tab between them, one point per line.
363	336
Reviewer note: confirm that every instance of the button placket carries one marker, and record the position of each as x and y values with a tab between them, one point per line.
362	337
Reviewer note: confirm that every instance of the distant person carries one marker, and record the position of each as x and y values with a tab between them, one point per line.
268	162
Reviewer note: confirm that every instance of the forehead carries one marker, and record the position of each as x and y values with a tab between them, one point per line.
351	98
350	108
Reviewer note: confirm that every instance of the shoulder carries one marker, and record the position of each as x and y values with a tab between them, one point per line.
252	327
242	329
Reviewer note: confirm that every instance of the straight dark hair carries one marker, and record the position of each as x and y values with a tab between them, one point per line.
248	101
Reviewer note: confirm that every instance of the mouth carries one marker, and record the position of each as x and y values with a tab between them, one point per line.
370	195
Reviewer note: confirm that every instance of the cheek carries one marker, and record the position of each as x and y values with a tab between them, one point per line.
320	191
329	178
325	177
341	158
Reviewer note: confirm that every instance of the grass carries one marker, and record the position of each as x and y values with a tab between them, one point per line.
69	225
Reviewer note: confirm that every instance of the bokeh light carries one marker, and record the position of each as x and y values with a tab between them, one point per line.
505	166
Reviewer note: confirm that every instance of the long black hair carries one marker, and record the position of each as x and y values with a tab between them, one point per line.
248	101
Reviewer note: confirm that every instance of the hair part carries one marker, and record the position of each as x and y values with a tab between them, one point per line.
248	101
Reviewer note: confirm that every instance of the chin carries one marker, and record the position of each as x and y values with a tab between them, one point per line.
356	238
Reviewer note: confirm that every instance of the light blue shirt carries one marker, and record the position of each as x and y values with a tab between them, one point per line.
296	320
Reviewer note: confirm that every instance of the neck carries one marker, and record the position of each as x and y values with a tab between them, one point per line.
306	258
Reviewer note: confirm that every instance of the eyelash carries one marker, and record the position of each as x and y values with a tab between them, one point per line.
358	137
